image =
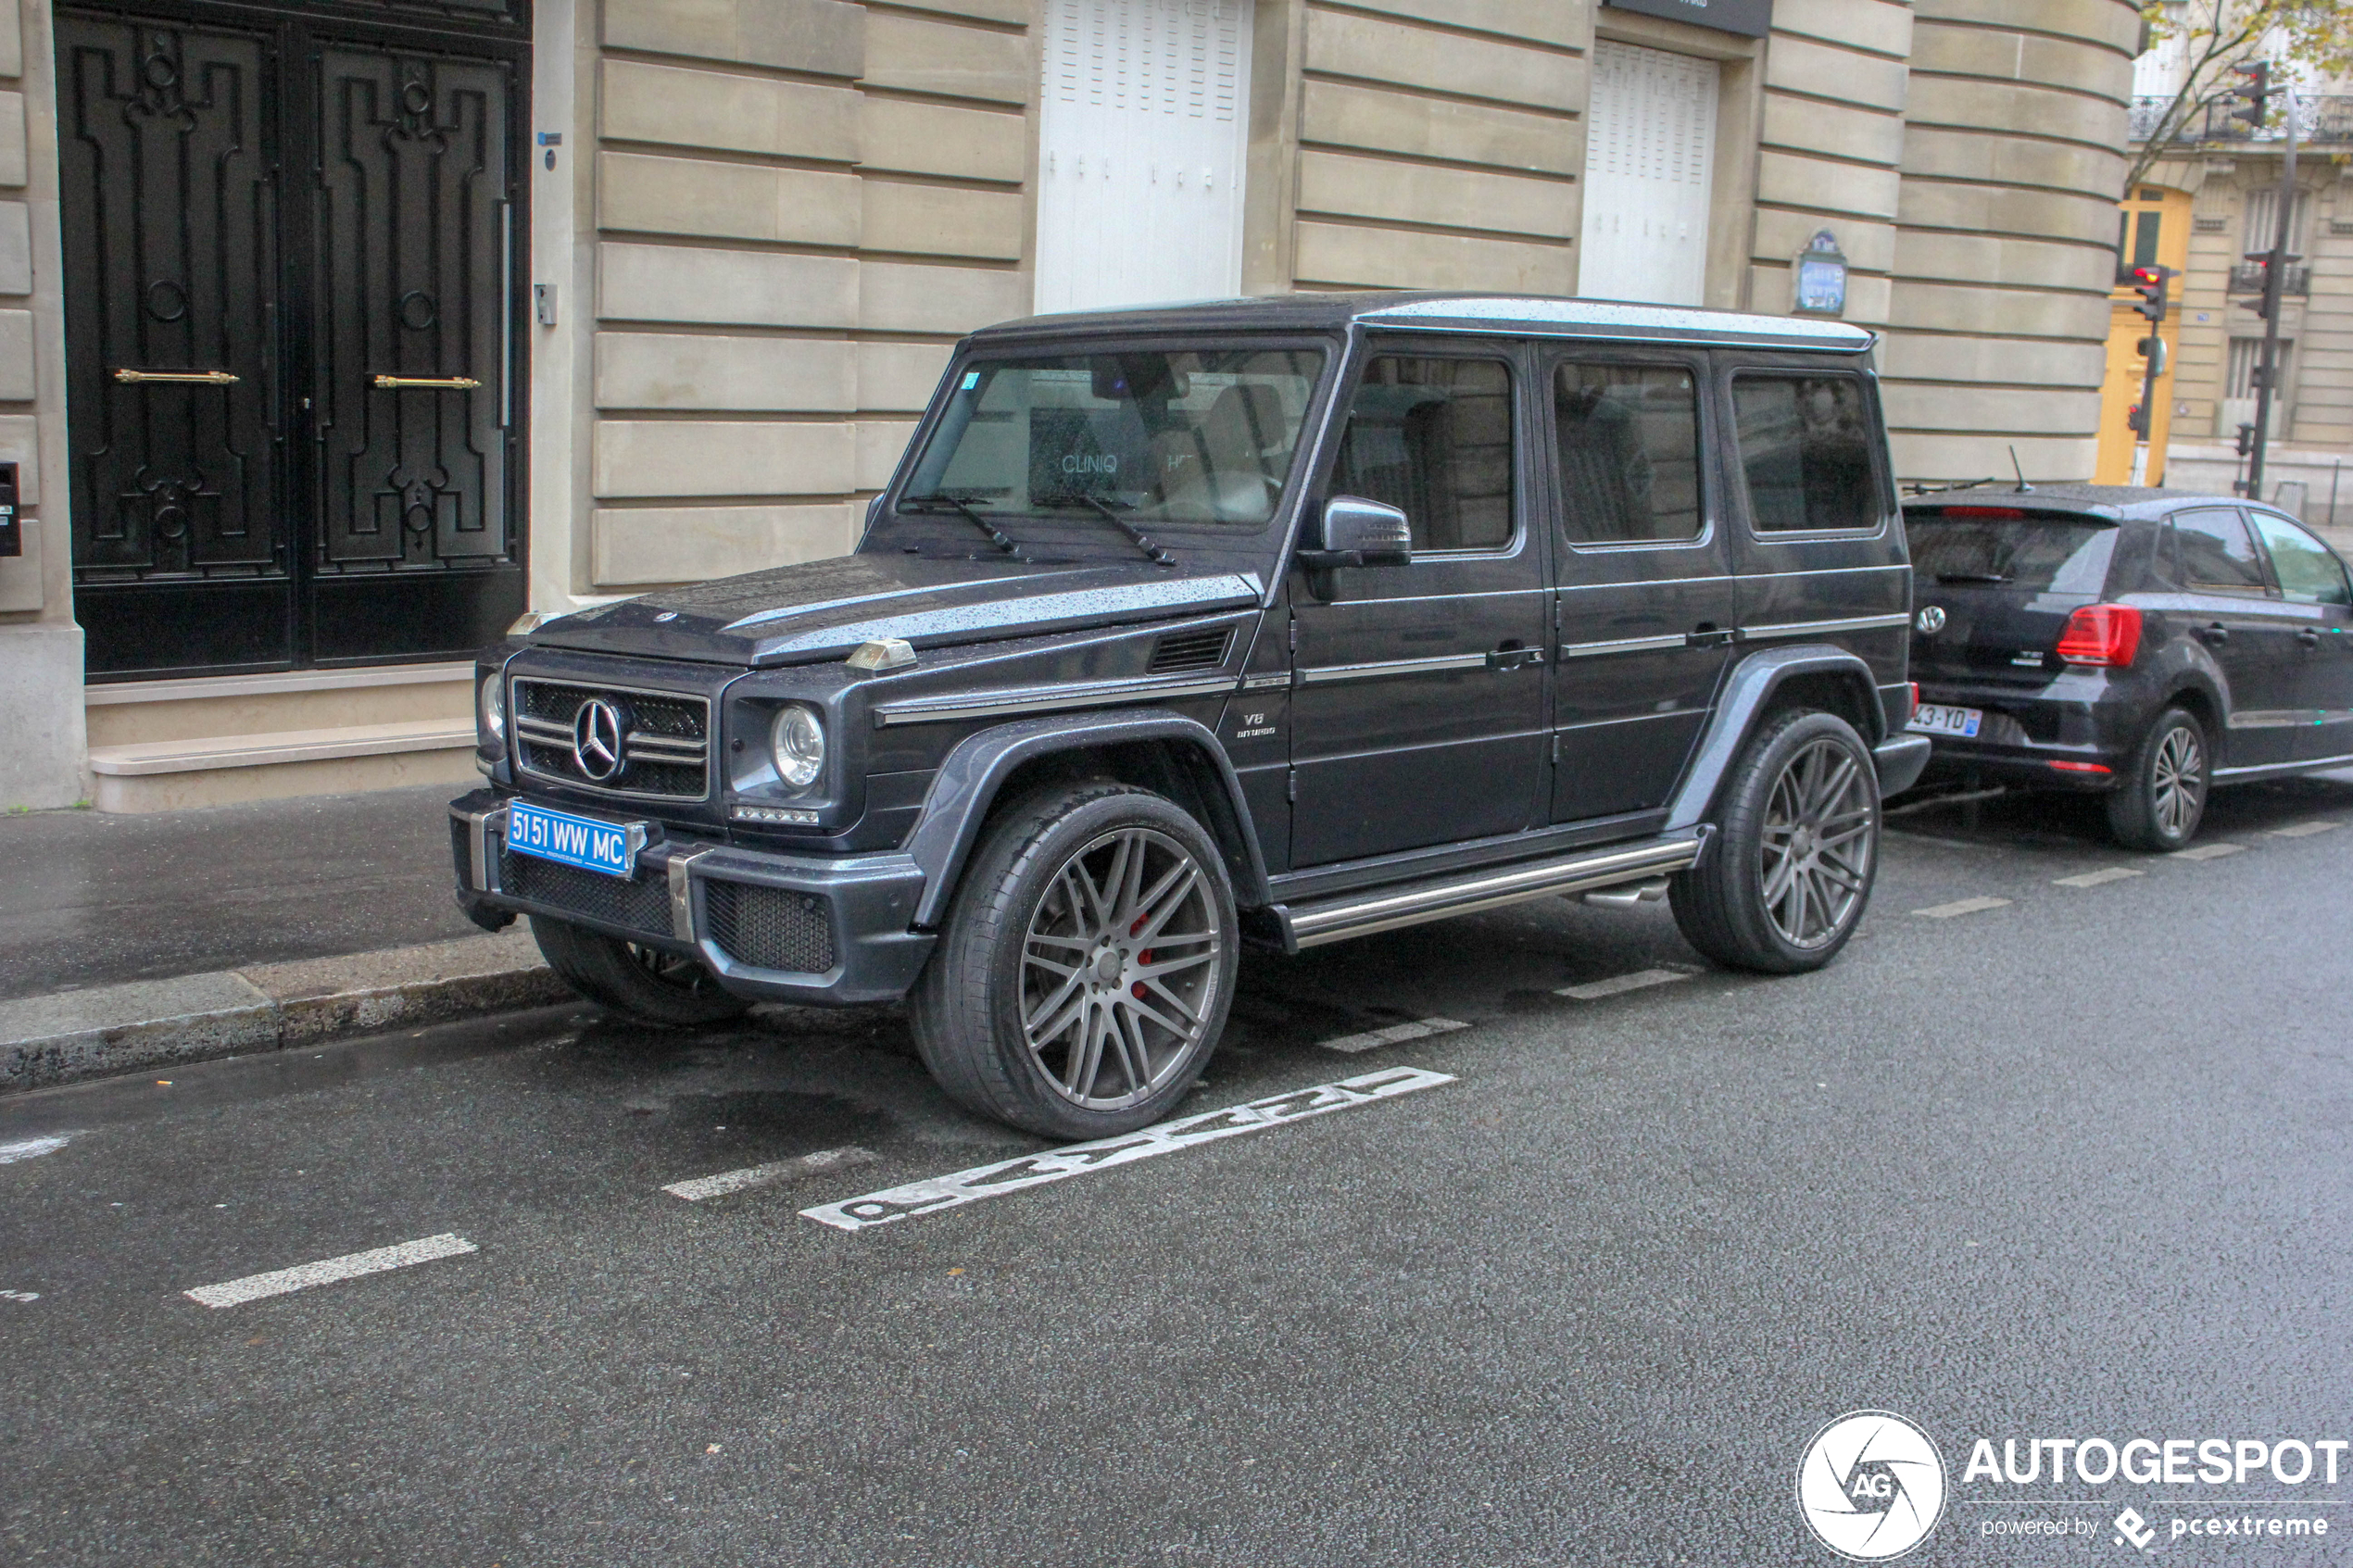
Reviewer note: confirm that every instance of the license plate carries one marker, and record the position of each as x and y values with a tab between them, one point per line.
1933	719
609	848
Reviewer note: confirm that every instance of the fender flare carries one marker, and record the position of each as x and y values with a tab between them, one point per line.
968	780
1748	693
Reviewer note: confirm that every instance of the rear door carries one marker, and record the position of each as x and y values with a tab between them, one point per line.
1419	716
1644	611
2314	587
2232	608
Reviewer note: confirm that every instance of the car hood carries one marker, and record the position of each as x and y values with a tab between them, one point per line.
824	609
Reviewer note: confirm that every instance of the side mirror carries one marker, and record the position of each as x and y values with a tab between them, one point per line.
1360	533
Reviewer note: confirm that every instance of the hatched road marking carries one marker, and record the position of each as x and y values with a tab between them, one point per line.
726	1182
2303	830
2207	852
1962	907
1594	990
1078	1159
1396	1033
2100	878
32	1148
253	1287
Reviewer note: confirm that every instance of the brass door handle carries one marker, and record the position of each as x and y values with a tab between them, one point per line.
194	378
441	383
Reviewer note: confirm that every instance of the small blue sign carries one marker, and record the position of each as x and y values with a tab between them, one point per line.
609	848
1821	277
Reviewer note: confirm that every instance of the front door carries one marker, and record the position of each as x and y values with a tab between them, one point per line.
292	354
2232	609
1646	610
1418	713
2314	584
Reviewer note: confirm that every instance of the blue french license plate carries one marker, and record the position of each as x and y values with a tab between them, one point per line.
609	848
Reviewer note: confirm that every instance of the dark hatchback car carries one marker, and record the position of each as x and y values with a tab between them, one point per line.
1286	620
2145	643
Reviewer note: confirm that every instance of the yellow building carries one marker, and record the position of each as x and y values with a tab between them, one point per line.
2153	232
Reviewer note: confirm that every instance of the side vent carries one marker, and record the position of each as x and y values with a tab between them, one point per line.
1181	653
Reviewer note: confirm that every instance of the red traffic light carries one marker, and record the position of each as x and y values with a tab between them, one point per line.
2149	283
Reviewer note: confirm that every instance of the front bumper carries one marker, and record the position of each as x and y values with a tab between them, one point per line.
831	929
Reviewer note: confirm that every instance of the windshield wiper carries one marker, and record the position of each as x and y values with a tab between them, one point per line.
961	506
1970	577
1104	509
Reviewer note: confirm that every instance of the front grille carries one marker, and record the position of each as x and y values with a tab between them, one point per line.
1181	652
639	904
770	927
666	750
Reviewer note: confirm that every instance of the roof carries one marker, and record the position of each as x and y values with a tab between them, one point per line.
1400	310
2113	501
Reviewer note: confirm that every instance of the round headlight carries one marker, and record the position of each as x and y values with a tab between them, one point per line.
493	707
799	743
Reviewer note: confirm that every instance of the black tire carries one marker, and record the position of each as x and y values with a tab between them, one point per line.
2161	798
996	971
1739	906
645	983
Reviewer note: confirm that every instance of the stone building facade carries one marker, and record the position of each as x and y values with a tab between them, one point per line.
673	279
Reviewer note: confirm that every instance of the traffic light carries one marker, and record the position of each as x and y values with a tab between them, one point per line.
2136	419
2150	283
2257	94
2152	348
2261	302
2247	441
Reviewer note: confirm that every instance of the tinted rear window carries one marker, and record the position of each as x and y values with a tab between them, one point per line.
2033	555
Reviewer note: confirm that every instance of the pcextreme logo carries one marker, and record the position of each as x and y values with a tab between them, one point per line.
1871	1485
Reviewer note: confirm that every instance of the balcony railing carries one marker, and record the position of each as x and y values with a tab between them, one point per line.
2321	120
2247	277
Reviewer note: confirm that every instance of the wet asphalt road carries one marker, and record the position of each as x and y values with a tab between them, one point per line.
2074	1164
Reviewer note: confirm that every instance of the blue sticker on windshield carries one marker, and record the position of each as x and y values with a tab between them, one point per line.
972	378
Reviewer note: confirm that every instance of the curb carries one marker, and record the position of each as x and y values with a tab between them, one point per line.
71	1035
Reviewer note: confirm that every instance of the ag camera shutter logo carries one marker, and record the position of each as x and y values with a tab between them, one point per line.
1871	1485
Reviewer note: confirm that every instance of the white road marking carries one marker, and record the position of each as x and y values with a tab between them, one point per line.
1594	990
253	1287
20	1296
2100	878
1078	1159
32	1148
1962	907
1396	1033
2303	830
719	1185
2207	852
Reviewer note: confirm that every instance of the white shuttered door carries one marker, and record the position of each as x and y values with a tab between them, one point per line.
1650	147
1142	140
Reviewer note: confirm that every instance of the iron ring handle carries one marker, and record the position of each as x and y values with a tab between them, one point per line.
185	378
438	383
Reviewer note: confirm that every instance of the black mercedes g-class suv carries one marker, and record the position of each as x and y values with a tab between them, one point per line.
1282	619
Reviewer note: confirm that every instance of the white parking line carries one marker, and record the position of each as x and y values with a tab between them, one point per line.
32	1148
2303	830
2100	878
253	1287
1962	907
1396	1033
726	1182
1594	990
2207	852
1078	1159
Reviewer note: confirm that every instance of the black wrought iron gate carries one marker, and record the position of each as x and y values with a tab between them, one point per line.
294	361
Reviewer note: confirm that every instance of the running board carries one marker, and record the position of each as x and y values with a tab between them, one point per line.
1361	914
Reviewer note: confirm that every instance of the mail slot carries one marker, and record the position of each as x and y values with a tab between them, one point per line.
11	529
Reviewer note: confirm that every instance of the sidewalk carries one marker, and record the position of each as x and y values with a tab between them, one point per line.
131	940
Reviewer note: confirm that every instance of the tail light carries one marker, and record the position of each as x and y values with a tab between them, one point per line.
2102	635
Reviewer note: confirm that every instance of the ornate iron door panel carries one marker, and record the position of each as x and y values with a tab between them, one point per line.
168	153
413	338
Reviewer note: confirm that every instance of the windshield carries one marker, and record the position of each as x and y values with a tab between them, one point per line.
1158	436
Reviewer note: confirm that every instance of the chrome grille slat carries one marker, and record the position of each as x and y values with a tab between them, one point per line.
667	745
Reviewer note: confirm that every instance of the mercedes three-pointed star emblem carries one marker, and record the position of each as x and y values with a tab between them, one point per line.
597	740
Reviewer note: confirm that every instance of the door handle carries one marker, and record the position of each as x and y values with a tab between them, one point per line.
434	384
1708	635
1514	659
2309	636
2214	635
183	377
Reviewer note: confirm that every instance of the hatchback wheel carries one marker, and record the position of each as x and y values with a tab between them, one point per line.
2161	798
1083	977
1796	847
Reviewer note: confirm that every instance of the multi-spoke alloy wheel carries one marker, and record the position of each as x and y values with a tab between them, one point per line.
2160	796
1119	962
1084	972
1784	883
1817	843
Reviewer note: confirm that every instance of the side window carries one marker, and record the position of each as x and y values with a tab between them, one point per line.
1433	438
1629	442
2213	554
1806	449
2308	573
